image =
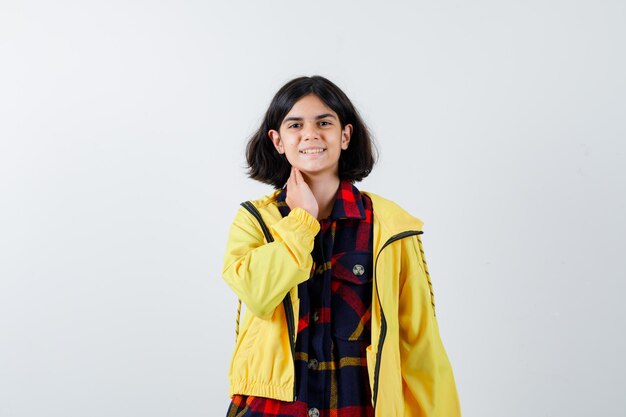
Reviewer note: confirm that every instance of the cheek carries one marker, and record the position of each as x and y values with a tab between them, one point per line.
291	152
291	145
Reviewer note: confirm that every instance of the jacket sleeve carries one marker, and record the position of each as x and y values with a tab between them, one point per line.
261	273
429	387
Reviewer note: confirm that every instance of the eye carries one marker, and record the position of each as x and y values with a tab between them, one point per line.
294	124
327	123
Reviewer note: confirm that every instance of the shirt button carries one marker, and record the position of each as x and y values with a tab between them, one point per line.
314	412
313	364
316	316
358	269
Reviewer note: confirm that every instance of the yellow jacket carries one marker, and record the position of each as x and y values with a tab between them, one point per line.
409	371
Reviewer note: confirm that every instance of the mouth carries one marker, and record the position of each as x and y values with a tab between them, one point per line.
312	151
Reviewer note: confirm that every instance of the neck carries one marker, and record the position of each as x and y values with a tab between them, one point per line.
324	190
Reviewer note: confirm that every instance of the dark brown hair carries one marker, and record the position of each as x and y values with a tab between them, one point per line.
266	165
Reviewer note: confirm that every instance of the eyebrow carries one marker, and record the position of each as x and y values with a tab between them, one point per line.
298	119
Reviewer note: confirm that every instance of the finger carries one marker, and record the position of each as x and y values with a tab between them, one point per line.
294	172
290	180
299	176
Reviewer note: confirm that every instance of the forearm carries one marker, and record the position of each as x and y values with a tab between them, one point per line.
262	273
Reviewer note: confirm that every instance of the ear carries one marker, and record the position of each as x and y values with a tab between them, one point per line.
346	134
275	138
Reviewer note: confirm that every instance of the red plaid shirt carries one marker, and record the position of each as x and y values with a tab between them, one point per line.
334	319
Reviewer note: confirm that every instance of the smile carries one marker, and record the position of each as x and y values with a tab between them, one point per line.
312	151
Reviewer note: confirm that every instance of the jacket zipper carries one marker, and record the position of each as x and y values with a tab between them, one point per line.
383	326
291	330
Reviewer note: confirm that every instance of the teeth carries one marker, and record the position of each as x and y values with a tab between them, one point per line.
312	151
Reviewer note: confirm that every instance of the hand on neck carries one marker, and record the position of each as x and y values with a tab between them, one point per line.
324	188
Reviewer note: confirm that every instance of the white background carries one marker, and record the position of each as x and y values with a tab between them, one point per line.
501	124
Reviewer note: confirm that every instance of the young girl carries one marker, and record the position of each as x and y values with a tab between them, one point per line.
340	318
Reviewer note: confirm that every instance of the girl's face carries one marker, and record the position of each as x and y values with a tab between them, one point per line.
311	137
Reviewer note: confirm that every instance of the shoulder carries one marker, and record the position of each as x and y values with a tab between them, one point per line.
266	206
391	213
267	199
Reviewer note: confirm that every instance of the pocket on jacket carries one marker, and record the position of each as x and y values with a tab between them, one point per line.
351	295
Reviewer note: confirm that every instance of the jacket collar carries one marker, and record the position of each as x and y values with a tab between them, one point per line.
394	219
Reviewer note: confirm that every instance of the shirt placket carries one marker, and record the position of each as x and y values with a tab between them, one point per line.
319	346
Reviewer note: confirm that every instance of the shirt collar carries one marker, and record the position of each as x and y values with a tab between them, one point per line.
348	202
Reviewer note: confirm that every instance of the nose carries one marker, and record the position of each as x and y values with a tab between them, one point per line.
310	131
